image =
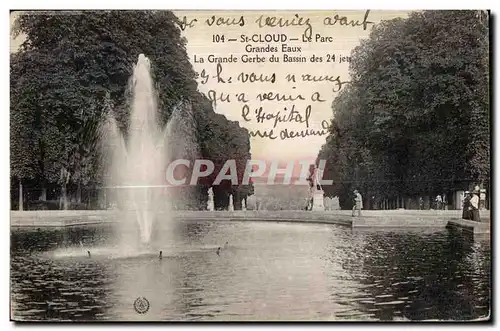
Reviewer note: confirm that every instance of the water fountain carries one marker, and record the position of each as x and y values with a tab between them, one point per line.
139	159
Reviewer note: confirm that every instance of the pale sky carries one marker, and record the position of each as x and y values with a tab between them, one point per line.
344	39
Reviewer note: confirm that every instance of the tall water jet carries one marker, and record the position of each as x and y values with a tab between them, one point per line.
139	159
183	144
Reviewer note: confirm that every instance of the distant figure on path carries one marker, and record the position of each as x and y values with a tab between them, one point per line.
474	207
444	201
161	255
210	201
421	203
466	214
439	201
88	252
358	203
308	203
218	251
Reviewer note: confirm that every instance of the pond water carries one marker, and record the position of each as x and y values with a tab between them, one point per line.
267	271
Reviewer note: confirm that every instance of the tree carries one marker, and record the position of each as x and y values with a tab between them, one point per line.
70	65
414	120
220	141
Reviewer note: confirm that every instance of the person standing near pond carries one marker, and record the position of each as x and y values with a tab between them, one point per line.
358	203
438	202
474	207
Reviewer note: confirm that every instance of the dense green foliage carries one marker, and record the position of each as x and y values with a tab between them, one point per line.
73	69
415	119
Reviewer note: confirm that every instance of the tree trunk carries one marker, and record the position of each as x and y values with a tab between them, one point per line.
65	180
64	197
43	195
88	198
79	193
237	200
20	196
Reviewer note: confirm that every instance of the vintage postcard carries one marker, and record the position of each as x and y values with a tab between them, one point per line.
250	165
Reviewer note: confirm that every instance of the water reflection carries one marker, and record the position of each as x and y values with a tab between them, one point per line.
43	288
420	276
268	271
